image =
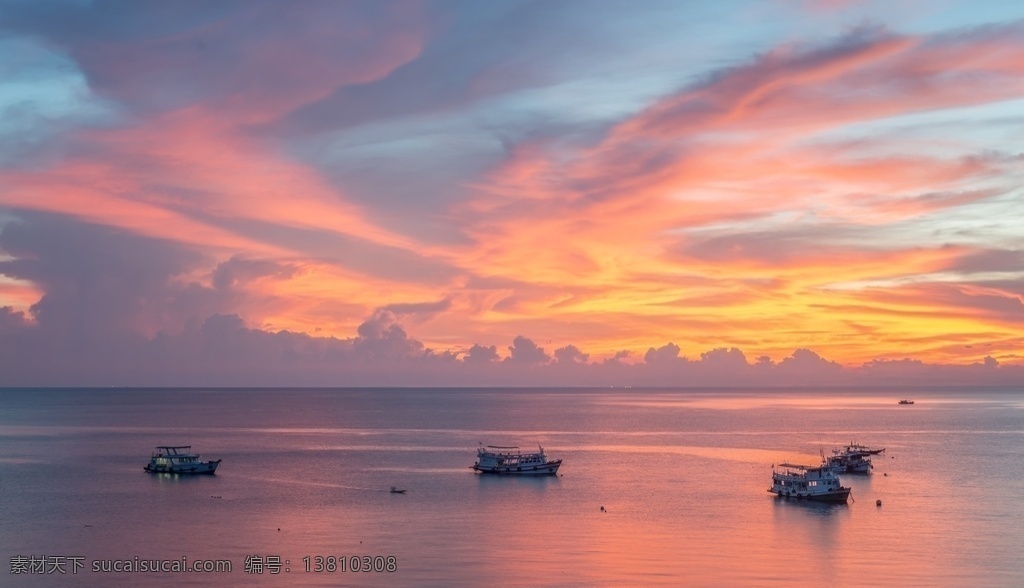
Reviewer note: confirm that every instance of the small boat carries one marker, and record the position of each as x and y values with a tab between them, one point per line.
819	483
864	449
171	459
395	490
905	401
505	460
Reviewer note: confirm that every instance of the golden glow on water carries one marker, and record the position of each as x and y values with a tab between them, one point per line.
733	401
682	479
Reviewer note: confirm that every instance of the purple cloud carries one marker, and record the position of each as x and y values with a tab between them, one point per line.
478	354
525	352
667	354
570	355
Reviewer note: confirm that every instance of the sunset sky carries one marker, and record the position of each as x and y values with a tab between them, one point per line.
449	192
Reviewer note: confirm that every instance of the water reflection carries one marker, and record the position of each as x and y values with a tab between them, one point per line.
490	481
812	507
176	479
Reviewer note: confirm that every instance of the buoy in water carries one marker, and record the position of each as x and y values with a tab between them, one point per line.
878	502
603	510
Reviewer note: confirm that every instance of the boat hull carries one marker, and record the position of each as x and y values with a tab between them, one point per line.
548	469
838	496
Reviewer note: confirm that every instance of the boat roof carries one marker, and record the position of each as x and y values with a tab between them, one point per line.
798	466
173	448
509	450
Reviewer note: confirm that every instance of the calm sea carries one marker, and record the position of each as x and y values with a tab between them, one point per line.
682	476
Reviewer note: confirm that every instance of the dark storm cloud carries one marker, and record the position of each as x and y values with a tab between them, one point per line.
96	279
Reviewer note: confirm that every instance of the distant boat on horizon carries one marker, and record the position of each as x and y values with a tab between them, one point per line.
905	401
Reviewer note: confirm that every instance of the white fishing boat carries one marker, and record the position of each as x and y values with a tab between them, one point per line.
853	459
820	483
504	460
178	459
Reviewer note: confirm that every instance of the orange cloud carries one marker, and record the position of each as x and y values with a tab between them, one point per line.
685	189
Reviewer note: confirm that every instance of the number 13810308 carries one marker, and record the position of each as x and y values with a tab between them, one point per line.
350	563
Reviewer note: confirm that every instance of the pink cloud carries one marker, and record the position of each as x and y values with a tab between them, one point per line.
731	149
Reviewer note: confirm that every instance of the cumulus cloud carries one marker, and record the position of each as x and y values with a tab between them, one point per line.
382	338
807	362
525	352
570	355
619	357
667	354
724	357
478	354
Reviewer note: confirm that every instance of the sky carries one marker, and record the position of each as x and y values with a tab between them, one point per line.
591	192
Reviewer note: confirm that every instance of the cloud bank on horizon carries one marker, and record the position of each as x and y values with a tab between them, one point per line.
464	193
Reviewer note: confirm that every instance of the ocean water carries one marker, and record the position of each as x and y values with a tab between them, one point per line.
682	476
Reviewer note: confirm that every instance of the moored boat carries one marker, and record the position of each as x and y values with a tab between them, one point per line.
178	459
853	459
863	449
509	460
819	483
850	463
